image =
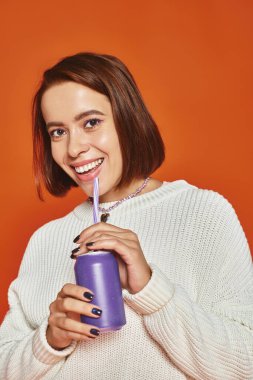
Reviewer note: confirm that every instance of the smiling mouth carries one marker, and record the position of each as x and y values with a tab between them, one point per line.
89	167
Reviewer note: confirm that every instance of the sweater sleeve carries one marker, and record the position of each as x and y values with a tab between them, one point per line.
206	343
24	351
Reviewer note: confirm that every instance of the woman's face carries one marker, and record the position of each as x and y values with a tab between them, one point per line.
84	140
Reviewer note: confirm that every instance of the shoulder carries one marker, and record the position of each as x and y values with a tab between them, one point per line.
193	196
205	208
211	201
55	227
210	223
211	212
52	240
194	193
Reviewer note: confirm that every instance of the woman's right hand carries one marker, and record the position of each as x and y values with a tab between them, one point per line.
64	321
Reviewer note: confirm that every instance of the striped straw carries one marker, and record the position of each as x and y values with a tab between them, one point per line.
95	200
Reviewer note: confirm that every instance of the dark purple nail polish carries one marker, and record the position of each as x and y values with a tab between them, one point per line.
96	311
90	244
76	250
88	295
76	239
94	332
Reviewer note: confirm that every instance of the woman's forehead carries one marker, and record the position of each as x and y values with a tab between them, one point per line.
69	99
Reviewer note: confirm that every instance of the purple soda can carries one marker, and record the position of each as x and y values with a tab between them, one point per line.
99	272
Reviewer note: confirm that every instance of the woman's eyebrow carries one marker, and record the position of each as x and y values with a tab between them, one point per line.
76	118
87	113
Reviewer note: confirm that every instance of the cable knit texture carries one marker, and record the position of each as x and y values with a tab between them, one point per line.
193	320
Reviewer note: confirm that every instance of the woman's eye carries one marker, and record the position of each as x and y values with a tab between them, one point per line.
92	123
57	133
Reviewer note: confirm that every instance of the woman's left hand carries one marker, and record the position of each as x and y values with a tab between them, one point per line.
133	267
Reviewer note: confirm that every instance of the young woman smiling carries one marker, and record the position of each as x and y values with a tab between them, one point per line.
185	266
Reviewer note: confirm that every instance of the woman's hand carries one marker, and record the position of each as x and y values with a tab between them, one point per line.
134	269
64	321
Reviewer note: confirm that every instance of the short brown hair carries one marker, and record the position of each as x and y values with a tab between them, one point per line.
141	144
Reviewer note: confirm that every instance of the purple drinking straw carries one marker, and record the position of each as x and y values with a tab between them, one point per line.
95	200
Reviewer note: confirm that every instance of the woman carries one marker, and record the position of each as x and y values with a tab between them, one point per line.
185	266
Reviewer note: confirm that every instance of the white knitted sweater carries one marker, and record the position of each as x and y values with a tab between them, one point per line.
194	319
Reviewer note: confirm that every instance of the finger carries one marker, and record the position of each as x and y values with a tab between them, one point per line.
110	236
124	235
84	248
126	252
98	235
76	330
76	291
66	305
80	337
106	227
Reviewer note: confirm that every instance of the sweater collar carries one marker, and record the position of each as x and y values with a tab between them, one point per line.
142	201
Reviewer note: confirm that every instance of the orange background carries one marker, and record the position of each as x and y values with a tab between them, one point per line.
193	62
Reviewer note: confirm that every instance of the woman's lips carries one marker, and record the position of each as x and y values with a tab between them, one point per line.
89	176
84	162
84	169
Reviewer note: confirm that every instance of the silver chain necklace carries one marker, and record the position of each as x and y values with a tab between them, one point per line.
106	211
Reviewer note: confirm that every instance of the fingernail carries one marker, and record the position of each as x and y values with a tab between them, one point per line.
96	311
73	254
88	295
90	244
76	250
76	239
94	332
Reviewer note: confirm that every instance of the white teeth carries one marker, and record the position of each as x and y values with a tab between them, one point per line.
91	165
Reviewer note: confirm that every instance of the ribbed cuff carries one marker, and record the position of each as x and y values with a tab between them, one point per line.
157	293
44	352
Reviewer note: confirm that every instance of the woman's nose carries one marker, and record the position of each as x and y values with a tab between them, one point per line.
77	145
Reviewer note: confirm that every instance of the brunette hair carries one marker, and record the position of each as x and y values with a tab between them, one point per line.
141	144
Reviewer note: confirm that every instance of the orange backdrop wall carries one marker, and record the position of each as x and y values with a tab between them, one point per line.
193	62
